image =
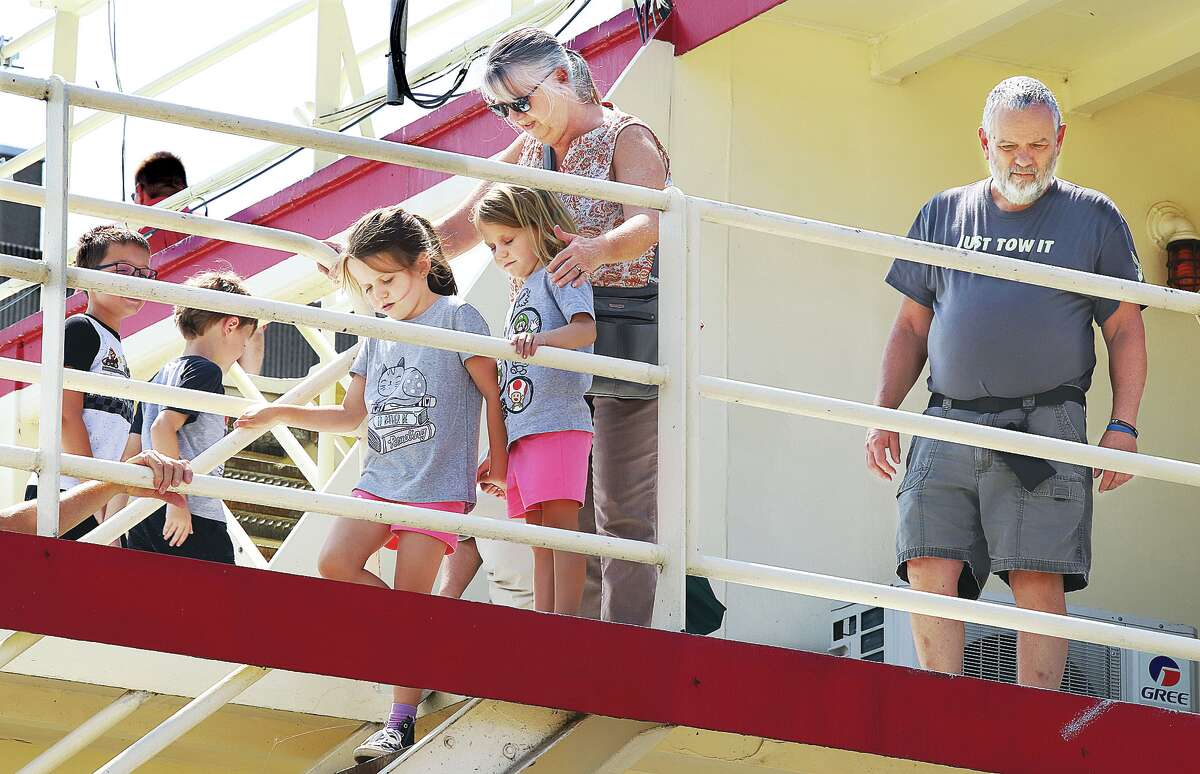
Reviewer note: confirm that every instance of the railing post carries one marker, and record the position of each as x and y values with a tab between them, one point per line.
54	302
673	429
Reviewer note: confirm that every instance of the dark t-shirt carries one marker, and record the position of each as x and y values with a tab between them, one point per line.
996	337
201	430
81	342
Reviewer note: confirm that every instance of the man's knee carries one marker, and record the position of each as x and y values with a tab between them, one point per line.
1043	590
935	574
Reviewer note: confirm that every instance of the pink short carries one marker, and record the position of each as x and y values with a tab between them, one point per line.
547	466
449	538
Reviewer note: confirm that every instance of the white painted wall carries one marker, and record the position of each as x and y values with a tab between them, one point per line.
783	117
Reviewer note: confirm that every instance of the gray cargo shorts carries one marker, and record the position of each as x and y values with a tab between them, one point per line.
962	502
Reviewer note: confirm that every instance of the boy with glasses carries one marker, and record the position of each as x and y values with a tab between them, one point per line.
100	426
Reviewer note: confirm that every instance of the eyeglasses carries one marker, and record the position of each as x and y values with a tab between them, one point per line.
520	105
129	270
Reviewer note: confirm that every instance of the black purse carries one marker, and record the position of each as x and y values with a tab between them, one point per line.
626	326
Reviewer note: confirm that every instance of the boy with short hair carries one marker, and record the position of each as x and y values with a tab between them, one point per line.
100	426
215	341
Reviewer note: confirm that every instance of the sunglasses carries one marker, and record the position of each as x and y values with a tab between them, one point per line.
128	270
520	105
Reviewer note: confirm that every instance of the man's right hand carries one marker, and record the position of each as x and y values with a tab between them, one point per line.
879	444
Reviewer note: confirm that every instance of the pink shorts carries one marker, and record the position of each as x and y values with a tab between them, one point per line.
547	466
449	538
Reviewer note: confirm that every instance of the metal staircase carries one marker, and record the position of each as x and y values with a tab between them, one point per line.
265	462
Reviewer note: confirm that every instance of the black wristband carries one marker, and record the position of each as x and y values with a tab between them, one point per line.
1124	424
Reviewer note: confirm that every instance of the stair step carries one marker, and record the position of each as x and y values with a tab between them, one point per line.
373	767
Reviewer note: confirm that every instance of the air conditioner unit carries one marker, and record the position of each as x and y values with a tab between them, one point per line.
875	634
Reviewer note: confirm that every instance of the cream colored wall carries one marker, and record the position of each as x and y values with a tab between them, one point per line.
804	130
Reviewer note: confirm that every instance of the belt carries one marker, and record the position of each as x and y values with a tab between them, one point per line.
1055	397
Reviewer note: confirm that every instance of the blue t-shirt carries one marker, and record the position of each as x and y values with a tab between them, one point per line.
537	399
1002	338
422	413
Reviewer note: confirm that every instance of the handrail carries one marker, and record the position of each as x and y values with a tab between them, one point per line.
373	327
866	415
323	139
90	468
947	256
188	223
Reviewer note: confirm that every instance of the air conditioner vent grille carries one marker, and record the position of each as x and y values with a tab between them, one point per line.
1092	670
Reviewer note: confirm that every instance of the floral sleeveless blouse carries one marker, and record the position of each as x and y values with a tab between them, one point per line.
591	155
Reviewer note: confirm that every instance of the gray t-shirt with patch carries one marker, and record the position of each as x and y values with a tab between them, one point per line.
995	337
200	430
537	399
422	413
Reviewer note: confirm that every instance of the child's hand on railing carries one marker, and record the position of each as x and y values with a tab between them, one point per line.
330	271
178	526
526	344
263	415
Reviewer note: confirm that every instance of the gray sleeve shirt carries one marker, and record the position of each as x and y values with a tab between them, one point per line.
422	413
537	399
201	430
996	337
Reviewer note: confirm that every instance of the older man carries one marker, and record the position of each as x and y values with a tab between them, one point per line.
1014	355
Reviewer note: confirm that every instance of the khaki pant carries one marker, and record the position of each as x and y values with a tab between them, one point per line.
622	502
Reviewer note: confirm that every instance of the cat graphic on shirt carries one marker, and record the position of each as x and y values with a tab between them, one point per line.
400	417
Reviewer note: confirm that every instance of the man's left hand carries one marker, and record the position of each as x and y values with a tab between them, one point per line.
167	473
1114	439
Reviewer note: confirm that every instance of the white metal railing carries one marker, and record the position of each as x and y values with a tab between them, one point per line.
681	382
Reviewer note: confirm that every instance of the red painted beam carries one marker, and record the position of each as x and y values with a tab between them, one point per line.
695	22
311	625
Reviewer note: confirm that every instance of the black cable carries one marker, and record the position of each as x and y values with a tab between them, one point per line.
277	162
575	16
112	48
398	58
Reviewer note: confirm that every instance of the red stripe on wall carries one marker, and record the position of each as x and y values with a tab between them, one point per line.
310	625
695	22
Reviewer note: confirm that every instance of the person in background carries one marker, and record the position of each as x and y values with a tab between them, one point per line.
508	567
214	342
100	426
161	175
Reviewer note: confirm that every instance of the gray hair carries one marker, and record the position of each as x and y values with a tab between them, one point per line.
1019	93
525	57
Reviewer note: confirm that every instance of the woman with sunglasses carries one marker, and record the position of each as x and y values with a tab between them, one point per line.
545	91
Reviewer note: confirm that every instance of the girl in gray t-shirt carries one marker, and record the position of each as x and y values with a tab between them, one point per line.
422	409
545	412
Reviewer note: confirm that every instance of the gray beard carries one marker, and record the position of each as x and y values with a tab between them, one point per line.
1022	194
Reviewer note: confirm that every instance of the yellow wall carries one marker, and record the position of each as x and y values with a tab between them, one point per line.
783	117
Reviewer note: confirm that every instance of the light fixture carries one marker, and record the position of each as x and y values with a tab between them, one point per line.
1172	231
